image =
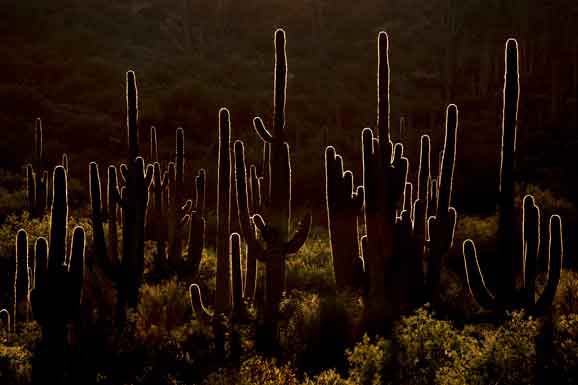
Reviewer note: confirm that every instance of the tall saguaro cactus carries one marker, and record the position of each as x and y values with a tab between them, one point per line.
223	298
516	261
58	282
384	178
134	205
276	232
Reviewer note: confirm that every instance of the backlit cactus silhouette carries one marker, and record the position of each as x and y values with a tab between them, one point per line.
21	305
58	282
506	294
344	205
133	202
36	176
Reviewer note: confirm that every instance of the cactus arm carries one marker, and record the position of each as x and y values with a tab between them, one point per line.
76	262
196	241
41	262
555	257
299	236
58	218
531	247
149	172
243	199
475	277
124	172
263	133
237	279
424	171
448	160
197	303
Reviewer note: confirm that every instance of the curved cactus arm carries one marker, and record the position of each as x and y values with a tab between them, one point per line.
124	172
165	180
299	236
196	240
531	247
148	178
7	313
113	190
76	261
241	187
200	192
448	158
424	172
41	262
263	133
475	277
186	208
555	257
197	303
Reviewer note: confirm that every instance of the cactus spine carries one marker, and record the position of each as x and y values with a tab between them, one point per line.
506	295
58	282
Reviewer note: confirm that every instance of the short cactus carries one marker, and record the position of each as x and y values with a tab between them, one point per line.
21	305
58	282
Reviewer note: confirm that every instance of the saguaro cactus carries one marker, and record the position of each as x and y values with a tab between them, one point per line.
223	300
523	297
58	283
270	249
21	305
344	204
384	178
506	293
275	233
196	238
441	226
36	176
134	205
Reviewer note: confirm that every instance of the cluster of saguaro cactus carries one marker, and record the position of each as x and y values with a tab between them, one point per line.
398	265
506	294
344	206
58	279
36	176
169	212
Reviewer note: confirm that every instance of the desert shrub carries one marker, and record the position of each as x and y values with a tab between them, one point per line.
564	360
566	300
311	269
328	377
369	360
318	329
15	365
35	227
255	370
427	345
161	341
